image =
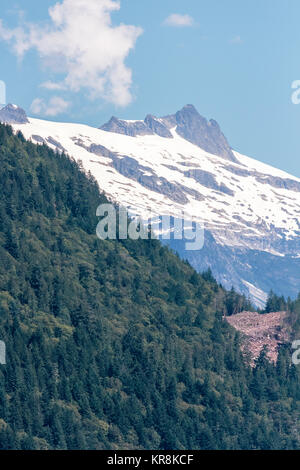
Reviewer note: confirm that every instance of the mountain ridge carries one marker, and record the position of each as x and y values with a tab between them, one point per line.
188	123
250	210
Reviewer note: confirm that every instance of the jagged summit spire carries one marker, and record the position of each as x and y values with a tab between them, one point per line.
205	134
190	107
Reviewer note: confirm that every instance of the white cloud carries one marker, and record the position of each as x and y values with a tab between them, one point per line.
55	106
53	85
179	20
17	36
81	43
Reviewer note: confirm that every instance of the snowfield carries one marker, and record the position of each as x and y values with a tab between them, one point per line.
241	203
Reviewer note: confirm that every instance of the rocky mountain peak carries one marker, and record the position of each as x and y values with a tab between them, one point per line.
188	123
13	114
130	128
157	126
188	110
205	134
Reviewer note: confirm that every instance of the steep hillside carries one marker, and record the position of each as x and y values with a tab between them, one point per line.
118	344
183	163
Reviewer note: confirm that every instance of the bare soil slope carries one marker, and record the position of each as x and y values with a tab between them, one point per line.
260	330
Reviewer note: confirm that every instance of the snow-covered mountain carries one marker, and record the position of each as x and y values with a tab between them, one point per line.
183	162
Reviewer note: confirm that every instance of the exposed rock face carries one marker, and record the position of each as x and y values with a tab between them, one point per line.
205	134
170	121
275	181
127	128
38	139
56	144
150	126
260	331
12	114
189	124
130	168
48	140
157	126
208	179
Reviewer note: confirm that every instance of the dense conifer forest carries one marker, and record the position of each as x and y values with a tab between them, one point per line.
119	344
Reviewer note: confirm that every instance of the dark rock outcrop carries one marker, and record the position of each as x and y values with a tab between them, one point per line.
132	129
38	138
208	179
274	181
157	126
197	130
56	144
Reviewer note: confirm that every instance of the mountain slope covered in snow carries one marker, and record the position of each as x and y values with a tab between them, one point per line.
183	162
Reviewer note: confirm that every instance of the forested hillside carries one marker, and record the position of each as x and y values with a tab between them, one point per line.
118	344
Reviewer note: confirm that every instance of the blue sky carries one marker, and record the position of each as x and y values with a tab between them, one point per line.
235	60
